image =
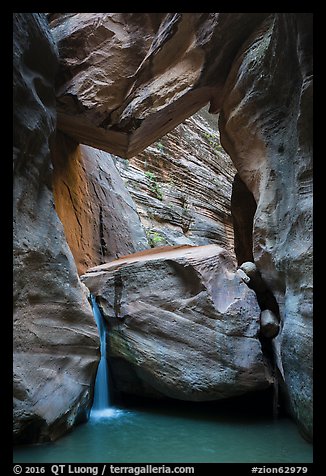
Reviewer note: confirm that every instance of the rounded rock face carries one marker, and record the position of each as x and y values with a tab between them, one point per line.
55	338
182	324
99	217
256	281
127	79
249	268
269	324
266	127
265	71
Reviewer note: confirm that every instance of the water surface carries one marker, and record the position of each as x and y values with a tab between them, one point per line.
179	433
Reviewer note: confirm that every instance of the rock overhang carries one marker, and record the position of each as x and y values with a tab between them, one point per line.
127	79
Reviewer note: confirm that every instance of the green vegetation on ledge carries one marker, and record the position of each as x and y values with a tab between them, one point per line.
153	185
213	141
155	238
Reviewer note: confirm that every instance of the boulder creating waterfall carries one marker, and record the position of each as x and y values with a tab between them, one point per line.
101	401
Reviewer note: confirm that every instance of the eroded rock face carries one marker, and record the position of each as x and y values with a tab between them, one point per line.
126	79
266	127
99	216
182	186
121	87
182	324
55	336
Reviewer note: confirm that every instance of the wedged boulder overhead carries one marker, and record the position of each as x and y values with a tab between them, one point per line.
98	214
55	337
266	127
181	323
126	79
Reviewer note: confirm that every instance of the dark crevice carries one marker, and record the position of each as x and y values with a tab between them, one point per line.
268	353
268	330
34	431
103	247
243	208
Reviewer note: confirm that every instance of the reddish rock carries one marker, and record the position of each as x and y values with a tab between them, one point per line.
256	69
120	88
99	216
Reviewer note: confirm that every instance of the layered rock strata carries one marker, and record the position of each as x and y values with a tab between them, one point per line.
256	69
181	185
127	79
181	323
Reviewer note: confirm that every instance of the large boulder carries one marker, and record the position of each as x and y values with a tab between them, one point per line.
99	216
266	127
55	336
181	323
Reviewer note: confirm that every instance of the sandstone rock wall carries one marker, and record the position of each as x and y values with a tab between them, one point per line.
127	79
98	214
55	336
182	185
181	323
266	127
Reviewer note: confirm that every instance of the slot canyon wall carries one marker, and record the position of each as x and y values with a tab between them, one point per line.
123	82
98	214
55	336
266	126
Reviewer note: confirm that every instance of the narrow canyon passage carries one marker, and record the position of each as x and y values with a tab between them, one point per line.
194	176
162	206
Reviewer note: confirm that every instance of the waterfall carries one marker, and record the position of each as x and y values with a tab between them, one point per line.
101	391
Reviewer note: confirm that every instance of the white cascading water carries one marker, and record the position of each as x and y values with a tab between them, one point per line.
101	401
